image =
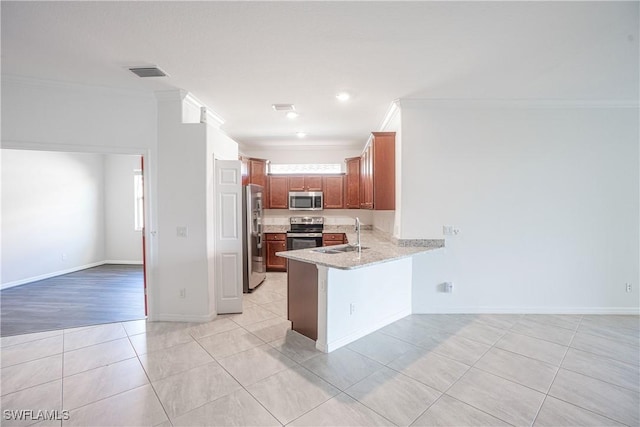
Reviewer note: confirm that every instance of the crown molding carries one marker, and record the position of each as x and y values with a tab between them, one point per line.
441	103
213	119
392	112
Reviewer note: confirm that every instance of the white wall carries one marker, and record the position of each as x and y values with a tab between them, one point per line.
64	117
546	199
81	203
185	199
46	114
123	244
52	213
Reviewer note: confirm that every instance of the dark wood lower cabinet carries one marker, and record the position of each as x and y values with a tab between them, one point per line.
302	297
276	242
331	239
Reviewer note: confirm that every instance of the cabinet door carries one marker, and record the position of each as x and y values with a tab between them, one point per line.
244	170
352	185
305	183
296	183
274	262
331	239
366	179
313	183
383	171
258	172
334	192
278	192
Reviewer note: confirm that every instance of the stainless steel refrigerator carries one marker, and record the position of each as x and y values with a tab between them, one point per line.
254	251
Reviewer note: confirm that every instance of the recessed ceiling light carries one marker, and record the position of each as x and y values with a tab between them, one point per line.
292	115
343	96
301	134
283	107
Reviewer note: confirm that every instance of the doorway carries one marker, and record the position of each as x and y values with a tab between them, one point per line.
72	247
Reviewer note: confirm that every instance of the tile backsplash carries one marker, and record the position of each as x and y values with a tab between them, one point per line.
331	217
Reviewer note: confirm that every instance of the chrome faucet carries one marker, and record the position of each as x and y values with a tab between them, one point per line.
358	235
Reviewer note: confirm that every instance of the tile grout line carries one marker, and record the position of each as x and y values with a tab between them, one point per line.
235	379
444	356
557	371
340	391
155	392
461	376
570	403
116	394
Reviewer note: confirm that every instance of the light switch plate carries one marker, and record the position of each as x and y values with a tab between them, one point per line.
182	231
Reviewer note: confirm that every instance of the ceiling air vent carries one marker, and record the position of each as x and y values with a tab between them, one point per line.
147	72
283	107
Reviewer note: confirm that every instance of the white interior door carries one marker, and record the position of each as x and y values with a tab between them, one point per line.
228	236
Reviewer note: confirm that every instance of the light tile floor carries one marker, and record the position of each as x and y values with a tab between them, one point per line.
251	369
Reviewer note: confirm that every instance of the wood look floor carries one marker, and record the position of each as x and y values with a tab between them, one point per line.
103	294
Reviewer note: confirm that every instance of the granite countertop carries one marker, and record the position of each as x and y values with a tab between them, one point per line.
380	249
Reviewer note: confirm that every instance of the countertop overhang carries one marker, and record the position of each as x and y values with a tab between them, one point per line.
380	249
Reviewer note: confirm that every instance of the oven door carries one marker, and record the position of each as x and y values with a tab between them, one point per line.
303	241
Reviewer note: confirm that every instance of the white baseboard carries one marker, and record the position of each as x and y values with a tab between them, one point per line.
118	261
49	275
529	310
334	345
166	317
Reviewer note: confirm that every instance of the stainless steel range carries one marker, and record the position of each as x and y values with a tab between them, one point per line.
305	232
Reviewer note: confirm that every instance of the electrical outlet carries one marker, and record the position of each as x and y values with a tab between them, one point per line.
450	230
183	293
64	256
447	287
352	309
628	287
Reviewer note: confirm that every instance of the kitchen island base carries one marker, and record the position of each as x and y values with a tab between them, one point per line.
349	304
355	303
302	295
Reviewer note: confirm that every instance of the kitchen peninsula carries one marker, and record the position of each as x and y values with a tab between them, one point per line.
337	294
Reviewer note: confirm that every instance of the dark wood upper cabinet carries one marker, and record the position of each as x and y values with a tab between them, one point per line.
305	183
278	192
366	180
254	171
333	191
378	173
258	172
352	183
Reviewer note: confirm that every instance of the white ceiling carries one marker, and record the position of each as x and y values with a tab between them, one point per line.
241	57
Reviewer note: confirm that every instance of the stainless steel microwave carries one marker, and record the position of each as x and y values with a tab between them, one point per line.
305	200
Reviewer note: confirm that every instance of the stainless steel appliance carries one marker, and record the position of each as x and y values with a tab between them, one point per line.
254	253
305	232
305	200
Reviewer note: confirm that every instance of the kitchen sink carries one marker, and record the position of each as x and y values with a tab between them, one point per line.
337	249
